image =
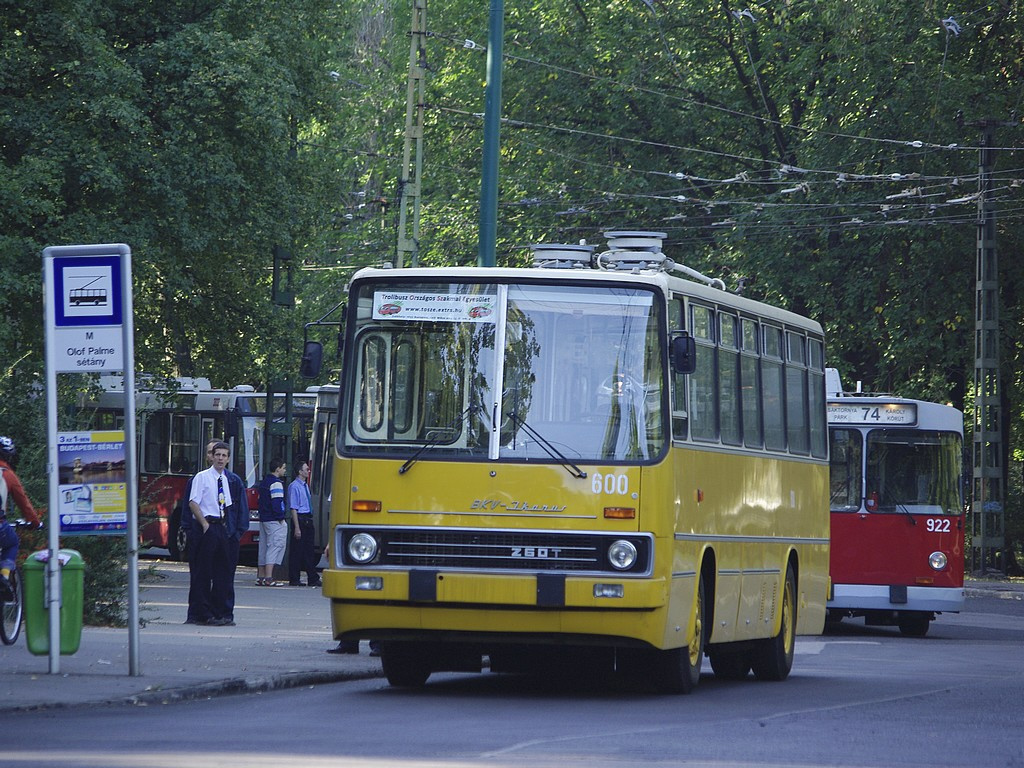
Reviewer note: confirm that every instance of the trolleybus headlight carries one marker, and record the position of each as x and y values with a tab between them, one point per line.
362	548
622	554
937	560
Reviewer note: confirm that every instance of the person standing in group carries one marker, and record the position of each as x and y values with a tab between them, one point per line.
210	501
273	527
302	557
192	538
236	526
11	488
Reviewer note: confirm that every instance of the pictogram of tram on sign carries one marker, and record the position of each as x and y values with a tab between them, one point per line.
97	297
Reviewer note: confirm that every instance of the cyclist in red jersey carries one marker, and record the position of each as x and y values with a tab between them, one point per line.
11	490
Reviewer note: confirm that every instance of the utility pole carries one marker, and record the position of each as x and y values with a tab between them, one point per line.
412	157
492	122
989	485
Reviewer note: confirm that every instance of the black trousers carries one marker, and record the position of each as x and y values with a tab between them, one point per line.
302	557
212	576
233	551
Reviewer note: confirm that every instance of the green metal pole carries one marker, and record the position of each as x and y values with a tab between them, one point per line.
492	122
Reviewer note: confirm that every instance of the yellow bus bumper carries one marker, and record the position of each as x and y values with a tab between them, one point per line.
491	603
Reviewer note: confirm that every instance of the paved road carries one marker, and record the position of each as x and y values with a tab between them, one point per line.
863	698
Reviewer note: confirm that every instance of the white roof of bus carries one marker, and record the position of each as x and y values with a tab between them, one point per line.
929	415
663	280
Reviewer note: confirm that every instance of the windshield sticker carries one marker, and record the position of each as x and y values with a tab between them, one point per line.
437	307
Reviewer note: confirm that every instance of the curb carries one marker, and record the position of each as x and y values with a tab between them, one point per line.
228	687
999	593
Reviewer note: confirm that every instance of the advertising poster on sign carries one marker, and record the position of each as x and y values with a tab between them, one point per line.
91	484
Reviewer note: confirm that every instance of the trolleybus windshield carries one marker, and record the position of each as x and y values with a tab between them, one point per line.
914	471
907	470
579	377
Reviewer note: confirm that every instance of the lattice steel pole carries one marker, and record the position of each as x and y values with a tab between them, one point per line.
412	156
988	517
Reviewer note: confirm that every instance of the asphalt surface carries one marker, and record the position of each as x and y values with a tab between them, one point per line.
280	640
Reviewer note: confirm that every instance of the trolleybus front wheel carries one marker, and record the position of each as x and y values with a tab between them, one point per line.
914	623
677	670
773	658
405	665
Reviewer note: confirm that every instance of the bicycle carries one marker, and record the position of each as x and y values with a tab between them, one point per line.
12	611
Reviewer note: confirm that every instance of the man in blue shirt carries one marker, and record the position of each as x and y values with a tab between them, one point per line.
303	557
273	526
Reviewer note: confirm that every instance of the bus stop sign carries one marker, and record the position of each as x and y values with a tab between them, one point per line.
85	288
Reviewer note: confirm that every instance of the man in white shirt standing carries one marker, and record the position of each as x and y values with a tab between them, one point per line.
209	501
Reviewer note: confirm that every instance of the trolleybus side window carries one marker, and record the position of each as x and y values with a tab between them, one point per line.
371	384
729	392
846	451
816	397
156	435
750	384
327	463
703	395
797	427
677	314
772	392
405	371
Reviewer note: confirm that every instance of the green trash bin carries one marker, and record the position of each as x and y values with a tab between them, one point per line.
37	614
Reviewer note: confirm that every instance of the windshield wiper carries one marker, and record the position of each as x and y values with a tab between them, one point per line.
903	508
458	421
553	452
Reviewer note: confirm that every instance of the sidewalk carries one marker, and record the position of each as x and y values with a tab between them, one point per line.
1007	589
281	640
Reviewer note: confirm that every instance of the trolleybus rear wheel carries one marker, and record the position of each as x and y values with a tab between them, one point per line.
773	658
732	665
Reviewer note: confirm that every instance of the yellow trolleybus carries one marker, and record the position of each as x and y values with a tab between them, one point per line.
592	459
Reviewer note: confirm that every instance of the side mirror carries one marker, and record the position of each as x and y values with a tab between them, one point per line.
312	360
682	353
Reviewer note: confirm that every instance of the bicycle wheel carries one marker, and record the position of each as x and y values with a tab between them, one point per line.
10	626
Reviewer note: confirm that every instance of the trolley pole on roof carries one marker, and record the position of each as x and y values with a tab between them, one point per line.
989	489
412	159
492	122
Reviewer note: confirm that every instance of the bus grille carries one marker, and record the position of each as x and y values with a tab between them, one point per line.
481	549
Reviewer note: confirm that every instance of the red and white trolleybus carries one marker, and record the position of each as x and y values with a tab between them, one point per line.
174	425
897	554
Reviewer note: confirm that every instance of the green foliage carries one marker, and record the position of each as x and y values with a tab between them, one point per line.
807	150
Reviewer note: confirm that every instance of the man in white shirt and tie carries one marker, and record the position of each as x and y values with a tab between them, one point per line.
209	501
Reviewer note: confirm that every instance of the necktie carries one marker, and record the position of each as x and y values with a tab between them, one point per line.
309	498
220	495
